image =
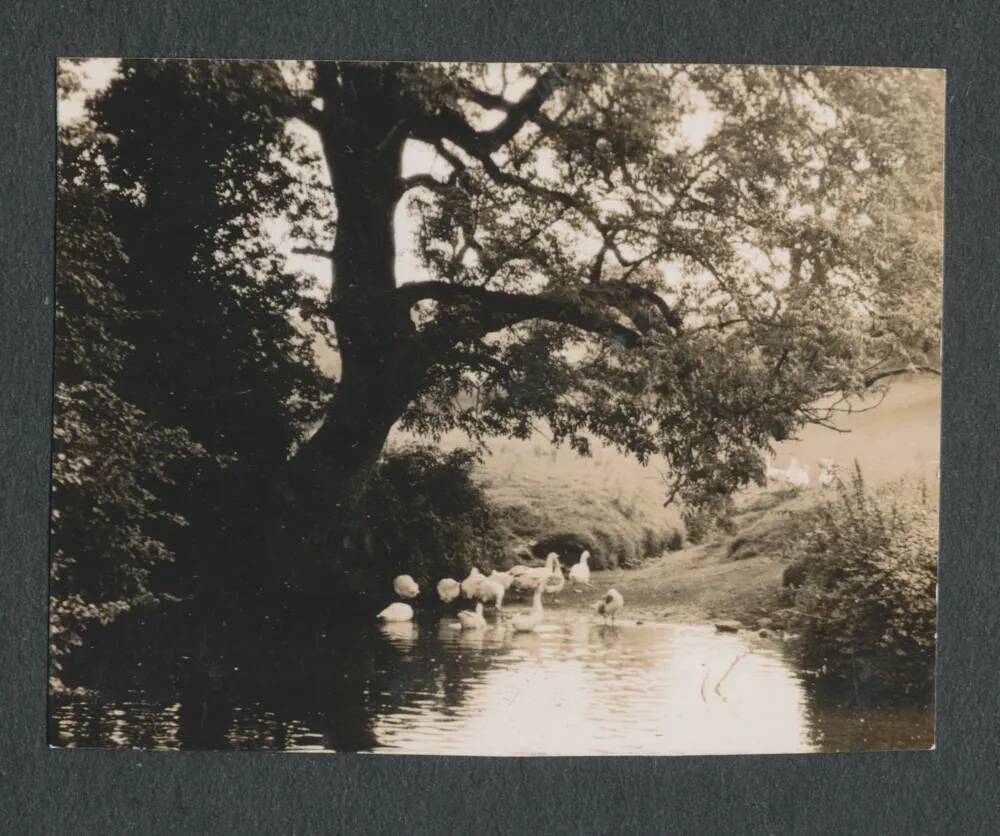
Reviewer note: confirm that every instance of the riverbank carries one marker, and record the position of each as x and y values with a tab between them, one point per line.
728	578
735	576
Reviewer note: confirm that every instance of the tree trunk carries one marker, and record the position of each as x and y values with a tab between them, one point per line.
381	372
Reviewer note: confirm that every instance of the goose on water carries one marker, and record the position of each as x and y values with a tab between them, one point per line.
397	612
610	604
526	622
406	587
472	619
448	590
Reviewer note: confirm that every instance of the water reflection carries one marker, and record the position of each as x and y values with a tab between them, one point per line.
574	687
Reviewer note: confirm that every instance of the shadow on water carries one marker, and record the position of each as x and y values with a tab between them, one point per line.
177	682
575	687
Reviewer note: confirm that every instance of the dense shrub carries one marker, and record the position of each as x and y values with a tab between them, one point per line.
424	515
709	514
866	608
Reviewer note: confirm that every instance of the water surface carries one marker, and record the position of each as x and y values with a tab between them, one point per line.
576	687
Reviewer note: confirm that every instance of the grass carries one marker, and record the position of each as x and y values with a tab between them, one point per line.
615	504
607	502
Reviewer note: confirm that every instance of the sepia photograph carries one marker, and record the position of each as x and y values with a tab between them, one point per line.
495	409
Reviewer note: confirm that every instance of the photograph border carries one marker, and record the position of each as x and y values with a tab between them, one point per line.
953	787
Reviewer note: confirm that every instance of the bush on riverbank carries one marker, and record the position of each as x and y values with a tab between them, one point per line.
424	515
866	609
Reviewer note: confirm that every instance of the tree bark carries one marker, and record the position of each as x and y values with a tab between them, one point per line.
381	372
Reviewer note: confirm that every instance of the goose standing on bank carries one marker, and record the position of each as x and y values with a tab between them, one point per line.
827	472
396	612
448	590
610	604
579	573
798	476
472	620
406	587
526	622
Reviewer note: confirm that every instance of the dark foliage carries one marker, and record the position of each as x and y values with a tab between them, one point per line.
422	514
866	601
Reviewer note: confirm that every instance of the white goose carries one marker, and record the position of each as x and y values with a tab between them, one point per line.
797	476
579	573
505	579
776	474
472	620
448	590
397	612
471	583
406	587
529	577
610	604
555	582
526	622
491	592
827	472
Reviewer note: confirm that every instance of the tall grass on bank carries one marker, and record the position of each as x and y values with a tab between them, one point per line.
867	608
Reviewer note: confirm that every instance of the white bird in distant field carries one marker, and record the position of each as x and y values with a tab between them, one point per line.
797	476
405	587
448	590
471	583
610	604
397	612
472	620
827	472
491	592
505	579
526	622
579	573
776	474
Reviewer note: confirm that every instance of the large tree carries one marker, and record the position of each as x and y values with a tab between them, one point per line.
677	259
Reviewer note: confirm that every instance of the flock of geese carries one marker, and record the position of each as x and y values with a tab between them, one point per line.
797	477
492	588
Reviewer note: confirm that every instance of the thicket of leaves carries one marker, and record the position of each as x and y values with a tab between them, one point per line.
867	611
182	370
198	163
111	462
797	241
423	514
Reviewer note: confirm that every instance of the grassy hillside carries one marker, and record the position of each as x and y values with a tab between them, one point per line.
612	505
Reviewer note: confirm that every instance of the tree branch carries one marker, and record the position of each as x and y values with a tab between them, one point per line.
316	251
446	123
875	378
495	309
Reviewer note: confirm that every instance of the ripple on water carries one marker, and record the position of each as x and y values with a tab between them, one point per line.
575	687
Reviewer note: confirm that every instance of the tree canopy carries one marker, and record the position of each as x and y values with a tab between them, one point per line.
678	259
682	261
